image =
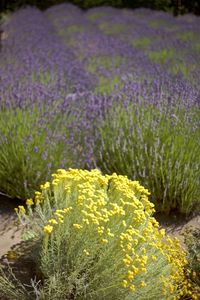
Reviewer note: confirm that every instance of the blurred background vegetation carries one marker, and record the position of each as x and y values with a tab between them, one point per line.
175	6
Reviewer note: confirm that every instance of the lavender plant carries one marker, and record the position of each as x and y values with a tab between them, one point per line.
73	62
157	145
36	141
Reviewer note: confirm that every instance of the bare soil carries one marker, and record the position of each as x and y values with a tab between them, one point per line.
175	224
9	232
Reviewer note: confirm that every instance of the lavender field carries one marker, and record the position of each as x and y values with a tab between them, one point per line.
100	129
117	90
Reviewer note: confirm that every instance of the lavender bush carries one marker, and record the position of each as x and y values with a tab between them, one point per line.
80	89
157	145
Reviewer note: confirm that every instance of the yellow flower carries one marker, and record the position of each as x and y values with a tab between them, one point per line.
86	221
153	257
60	220
16	210
130	274
48	229
67	209
53	221
29	202
132	287
45	186
58	214
125	283
38	193
21	209
55	182
124	223
104	241
77	226
86	252
142	283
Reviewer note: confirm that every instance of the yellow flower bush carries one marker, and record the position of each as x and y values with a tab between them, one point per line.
100	240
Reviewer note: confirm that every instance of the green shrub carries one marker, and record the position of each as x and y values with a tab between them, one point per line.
159	147
99	241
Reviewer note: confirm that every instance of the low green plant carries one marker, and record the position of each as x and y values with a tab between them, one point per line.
159	147
100	241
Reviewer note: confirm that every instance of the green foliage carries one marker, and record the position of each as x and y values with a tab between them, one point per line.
99	241
95	63
197	47
157	23
192	241
108	85
161	56
187	36
178	66
92	16
100	64
158	147
111	29
141	42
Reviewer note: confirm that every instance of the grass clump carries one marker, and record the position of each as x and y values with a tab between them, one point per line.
100	241
159	147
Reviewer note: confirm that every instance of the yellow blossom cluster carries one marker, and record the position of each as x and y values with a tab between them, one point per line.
57	218
114	214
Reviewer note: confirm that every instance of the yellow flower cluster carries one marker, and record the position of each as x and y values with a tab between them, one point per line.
20	210
116	213
57	218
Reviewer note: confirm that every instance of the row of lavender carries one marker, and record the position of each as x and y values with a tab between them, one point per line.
107	88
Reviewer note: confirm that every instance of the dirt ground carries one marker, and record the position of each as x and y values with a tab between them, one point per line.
9	232
176	225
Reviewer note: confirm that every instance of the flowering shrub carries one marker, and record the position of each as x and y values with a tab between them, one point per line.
100	241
